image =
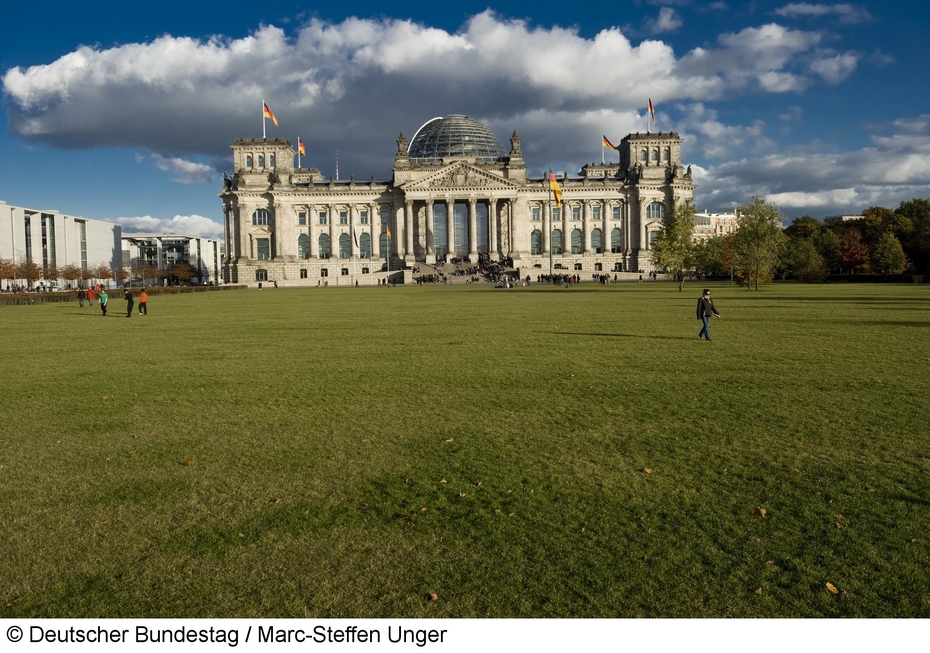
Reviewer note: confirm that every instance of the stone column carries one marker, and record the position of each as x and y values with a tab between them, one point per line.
277	231
312	219
546	228
450	228
408	227
585	236
430	236
397	243
353	234
245	219
472	230
332	217
226	242
493	222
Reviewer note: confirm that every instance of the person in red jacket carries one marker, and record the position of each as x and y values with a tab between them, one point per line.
90	297
705	307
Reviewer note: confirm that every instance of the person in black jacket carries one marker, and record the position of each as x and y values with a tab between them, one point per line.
705	307
129	301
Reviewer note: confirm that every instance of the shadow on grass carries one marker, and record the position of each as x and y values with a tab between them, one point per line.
617	335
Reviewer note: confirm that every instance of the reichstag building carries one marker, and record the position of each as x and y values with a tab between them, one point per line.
455	197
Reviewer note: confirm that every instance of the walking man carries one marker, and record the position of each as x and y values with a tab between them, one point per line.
104	298
129	301
90	297
81	296
705	307
143	303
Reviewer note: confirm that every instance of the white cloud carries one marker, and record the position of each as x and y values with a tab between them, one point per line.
833	67
190	171
189	225
668	20
346	86
846	13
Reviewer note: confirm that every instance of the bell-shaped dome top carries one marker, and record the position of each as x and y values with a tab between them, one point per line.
455	136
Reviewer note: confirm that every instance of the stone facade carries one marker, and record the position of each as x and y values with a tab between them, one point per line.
291	226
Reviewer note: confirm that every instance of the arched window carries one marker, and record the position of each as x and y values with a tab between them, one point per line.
384	244
576	241
325	249
261	217
655	154
556	245
271	160
643	155
655	211
364	246
303	246
665	155
261	160
597	238
536	242
616	241
345	246
248	160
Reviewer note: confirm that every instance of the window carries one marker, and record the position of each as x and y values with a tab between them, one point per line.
655	154
597	245
261	160
301	217
643	155
324	272
385	216
271	160
324	246
261	275
596	213
598	267
364	246
536	242
322	217
665	154
556	213
363	217
344	272
578	266
384	245
535	214
345	246
576	213
263	247
248	160
365	270
343	217
616	241
655	211
261	217
556	245
653	237
303	246
576	241
303	273
616	212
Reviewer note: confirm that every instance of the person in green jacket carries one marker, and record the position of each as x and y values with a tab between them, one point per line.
104	298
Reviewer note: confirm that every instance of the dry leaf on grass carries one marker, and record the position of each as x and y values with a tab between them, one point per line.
188	463
759	591
832	588
647	470
433	596
761	511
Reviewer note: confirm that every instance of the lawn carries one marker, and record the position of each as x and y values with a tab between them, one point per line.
535	452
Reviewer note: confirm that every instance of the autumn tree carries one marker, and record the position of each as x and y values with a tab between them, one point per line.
673	250
759	239
7	269
28	269
71	273
103	272
183	272
853	251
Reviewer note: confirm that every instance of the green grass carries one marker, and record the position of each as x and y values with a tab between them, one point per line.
354	450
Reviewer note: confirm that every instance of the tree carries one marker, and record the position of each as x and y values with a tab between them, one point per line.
673	250
149	271
7	269
829	249
853	252
71	273
183	272
806	261
759	239
917	244
709	255
804	227
103	272
889	255
28	269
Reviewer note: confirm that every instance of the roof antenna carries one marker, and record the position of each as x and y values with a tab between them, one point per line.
337	165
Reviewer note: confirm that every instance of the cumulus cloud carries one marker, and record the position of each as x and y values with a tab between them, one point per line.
668	20
846	13
190	171
354	85
189	225
810	180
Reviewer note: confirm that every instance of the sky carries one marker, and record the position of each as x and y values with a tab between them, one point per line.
128	115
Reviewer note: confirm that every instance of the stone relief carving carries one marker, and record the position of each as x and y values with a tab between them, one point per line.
505	229
461	178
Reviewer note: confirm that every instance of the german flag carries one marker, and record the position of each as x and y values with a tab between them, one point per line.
652	111
300	146
556	190
268	114
607	143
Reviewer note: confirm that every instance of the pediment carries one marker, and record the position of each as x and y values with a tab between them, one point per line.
460	176
260	231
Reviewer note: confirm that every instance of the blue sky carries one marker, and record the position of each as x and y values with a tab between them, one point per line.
128	115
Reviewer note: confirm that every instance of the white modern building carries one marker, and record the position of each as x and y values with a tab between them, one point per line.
454	194
708	225
162	252
54	240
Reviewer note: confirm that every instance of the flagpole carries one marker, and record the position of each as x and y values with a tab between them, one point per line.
549	239
263	119
298	151
602	150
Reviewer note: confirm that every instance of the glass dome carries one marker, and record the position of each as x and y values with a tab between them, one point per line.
455	136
